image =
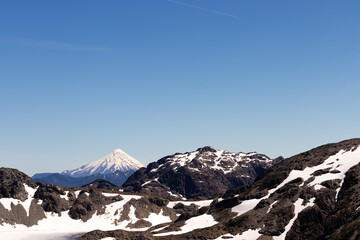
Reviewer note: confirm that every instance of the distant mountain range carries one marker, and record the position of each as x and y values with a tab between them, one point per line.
116	167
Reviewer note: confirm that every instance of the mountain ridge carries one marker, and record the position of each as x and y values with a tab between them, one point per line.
204	172
314	195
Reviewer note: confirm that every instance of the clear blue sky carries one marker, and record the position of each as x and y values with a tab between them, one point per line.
154	77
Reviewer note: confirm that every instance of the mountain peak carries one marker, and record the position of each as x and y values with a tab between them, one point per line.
206	149
118	150
114	161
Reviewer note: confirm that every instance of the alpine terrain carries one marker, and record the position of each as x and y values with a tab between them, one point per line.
116	167
314	195
206	172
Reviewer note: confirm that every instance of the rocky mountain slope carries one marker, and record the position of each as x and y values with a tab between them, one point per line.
116	167
100	183
206	172
314	196
35	207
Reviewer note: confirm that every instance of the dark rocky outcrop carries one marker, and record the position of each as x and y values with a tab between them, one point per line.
87	203
100	183
206	172
12	184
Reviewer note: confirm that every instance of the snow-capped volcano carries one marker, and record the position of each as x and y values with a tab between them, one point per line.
116	160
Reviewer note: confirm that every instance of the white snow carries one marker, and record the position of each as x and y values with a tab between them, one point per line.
318	187
108	238
65	196
247	205
270	207
147	182
6	202
202	221
77	193
156	219
54	224
342	162
116	160
298	208
159	229
155	169
110	194
34	235
247	235
223	160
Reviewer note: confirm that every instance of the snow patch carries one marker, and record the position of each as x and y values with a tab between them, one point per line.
202	221
298	208
247	235
6	202
110	194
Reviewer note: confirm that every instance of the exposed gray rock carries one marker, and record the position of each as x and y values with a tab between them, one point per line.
206	172
12	184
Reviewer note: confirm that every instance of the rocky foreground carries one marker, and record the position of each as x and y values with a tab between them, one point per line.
313	195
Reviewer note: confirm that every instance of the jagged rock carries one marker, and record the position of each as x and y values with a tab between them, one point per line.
101	183
90	202
206	172
52	200
12	184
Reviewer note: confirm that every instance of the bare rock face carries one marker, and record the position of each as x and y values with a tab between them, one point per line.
25	202
51	198
87	204
206	172
12	184
101	183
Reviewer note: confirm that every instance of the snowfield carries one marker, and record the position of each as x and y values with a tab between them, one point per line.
62	226
341	162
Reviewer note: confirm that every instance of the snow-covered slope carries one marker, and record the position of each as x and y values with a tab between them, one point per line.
116	160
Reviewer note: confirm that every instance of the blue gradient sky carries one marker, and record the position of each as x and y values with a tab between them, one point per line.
80	78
